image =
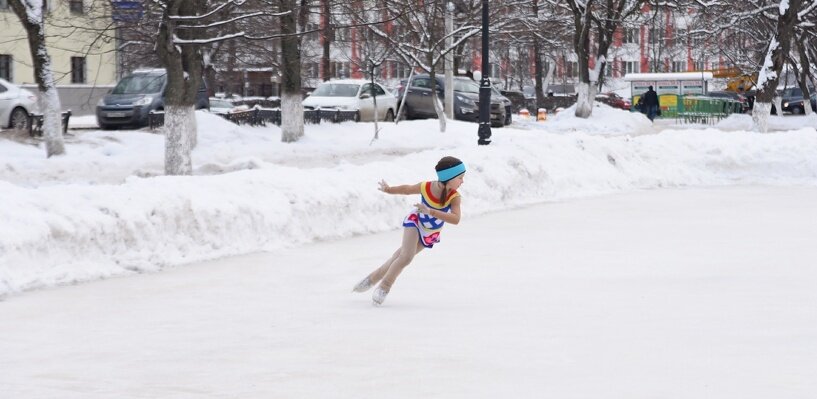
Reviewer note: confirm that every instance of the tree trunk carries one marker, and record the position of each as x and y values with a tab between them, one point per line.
179	122
33	21
292	116
581	45
803	75
538	68
184	67
374	101
772	66
326	39
435	100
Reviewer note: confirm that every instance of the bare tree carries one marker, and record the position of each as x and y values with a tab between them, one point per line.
594	22
32	15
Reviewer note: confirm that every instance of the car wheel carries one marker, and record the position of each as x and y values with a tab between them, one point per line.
389	116
357	116
18	119
796	111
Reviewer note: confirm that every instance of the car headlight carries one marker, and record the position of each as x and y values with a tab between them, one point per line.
143	101
467	101
101	102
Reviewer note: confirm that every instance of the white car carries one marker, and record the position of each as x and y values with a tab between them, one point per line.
219	106
354	95
15	105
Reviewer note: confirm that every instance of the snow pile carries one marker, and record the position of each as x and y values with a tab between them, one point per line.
64	224
605	120
738	122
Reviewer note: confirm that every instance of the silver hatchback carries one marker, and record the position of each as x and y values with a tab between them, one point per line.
15	105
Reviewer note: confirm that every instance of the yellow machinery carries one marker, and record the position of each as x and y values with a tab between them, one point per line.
737	81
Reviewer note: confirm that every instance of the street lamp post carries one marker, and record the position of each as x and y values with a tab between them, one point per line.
484	85
449	61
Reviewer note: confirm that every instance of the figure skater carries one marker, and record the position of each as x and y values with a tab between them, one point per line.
439	204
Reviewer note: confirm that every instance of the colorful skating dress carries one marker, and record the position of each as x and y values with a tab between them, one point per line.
427	226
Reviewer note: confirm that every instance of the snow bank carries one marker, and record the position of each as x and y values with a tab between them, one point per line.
253	193
605	120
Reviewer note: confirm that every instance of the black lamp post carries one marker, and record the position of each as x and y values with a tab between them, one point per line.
484	85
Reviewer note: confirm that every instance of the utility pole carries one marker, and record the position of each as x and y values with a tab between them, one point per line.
449	61
484	131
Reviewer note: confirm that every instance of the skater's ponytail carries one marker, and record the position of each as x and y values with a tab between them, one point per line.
447	169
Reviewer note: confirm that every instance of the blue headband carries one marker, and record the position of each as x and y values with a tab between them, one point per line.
450	173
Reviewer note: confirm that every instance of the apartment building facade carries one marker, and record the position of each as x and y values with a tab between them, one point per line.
82	53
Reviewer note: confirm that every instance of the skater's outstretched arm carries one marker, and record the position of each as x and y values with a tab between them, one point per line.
404	189
452	217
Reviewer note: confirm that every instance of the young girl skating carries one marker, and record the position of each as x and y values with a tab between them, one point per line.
439	204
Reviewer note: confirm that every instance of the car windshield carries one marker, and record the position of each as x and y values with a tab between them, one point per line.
336	90
466	86
140	84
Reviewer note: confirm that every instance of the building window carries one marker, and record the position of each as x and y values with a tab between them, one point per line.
77	69
699	66
680	38
403	71
631	35
494	70
632	66
655	36
5	67
76	6
679	66
341	69
313	69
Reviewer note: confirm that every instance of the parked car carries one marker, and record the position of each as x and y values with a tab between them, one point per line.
15	105
466	99
221	106
518	100
135	95
614	100
354	95
506	102
793	101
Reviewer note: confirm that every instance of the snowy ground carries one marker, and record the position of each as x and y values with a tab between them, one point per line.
679	293
604	258
105	209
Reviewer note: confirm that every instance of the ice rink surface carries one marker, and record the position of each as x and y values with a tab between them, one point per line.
690	293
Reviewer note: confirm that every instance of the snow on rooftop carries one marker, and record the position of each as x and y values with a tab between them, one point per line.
669	76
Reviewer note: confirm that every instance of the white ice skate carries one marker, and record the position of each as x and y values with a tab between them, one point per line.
363	285
378	296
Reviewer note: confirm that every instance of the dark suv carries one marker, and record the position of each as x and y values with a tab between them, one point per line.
466	100
793	101
135	95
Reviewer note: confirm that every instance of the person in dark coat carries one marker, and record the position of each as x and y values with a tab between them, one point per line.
649	103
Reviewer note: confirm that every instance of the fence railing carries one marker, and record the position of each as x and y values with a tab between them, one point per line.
696	108
35	123
261	117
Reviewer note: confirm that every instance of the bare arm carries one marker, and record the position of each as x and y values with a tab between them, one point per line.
452	217
404	189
